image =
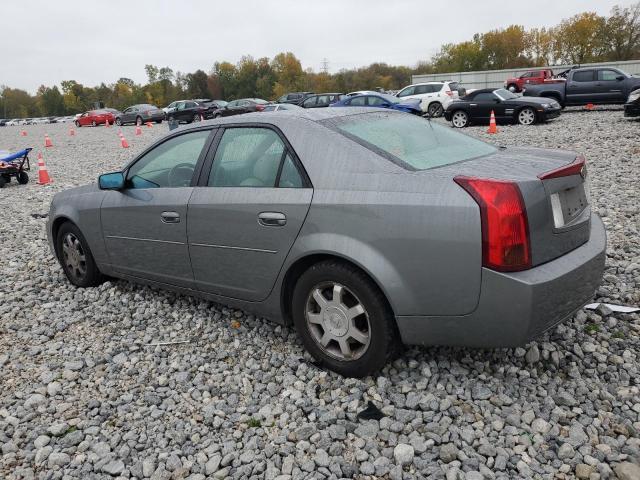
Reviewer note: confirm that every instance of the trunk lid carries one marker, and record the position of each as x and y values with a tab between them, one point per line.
555	191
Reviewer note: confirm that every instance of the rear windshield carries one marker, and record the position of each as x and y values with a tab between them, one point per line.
410	141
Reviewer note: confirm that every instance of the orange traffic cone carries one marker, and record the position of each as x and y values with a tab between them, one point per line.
138	130
47	141
43	174
23	133
106	123
149	124
72	131
589	106
123	142
493	128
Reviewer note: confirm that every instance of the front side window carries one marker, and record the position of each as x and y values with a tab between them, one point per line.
290	176
310	102
608	75
409	141
407	91
247	157
484	97
375	101
170	164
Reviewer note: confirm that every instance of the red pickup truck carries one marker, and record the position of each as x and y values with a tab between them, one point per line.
528	77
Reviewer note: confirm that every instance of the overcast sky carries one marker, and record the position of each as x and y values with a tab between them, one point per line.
44	42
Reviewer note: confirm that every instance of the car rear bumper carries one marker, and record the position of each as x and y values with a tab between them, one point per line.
517	307
631	109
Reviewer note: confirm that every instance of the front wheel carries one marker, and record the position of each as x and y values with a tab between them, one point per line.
435	110
459	119
343	319
93	124
196	118
527	116
512	88
119	121
139	121
75	257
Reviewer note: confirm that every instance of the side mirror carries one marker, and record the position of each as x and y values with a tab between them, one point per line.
111	181
620	77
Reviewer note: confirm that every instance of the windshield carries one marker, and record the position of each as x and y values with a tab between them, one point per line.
504	94
409	141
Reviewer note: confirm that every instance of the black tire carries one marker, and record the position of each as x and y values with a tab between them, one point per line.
77	124
94	124
92	275
435	110
383	339
6	177
526	116
195	118
2	182
22	178
513	88
119	121
139	121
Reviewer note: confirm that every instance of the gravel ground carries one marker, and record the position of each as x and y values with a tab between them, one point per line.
85	393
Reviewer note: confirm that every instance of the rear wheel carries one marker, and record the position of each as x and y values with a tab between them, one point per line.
22	177
527	116
119	121
435	109
459	119
76	258
196	118
343	319
93	124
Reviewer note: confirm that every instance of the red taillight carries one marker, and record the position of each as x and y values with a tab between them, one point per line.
259	107
449	92
574	168
505	228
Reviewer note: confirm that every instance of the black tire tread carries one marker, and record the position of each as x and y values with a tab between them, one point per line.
94	276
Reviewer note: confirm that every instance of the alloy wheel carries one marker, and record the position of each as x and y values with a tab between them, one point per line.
459	119
338	322
74	257
526	116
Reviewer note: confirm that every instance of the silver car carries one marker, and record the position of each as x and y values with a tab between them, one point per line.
365	228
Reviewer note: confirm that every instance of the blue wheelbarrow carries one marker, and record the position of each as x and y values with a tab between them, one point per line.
14	165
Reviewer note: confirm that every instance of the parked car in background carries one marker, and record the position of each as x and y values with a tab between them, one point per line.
294	97
14	122
363	92
597	85
240	106
322	100
476	107
171	107
381	100
278	107
434	97
94	118
632	106
114	111
397	230
527	78
139	114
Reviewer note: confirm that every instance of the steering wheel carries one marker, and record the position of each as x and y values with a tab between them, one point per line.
180	175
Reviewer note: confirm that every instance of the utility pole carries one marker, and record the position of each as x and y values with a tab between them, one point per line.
325	65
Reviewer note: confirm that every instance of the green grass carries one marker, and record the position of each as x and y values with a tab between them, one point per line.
617	334
592	328
254	422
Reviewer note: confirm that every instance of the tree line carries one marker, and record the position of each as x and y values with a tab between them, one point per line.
583	38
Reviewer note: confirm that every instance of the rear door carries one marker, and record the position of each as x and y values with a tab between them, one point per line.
247	212
145	224
581	87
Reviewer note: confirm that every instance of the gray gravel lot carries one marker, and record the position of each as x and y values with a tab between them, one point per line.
84	395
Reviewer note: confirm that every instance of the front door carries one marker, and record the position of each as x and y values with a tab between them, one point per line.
608	88
145	224
245	217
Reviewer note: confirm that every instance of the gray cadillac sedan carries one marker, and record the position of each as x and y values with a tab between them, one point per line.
365	228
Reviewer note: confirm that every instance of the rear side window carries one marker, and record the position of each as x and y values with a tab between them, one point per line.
290	176
408	141
584	76
247	157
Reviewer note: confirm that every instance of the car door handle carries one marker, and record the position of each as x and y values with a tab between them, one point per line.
170	217
272	219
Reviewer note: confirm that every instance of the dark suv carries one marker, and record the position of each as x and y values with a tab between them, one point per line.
294	97
322	100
